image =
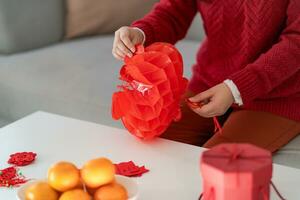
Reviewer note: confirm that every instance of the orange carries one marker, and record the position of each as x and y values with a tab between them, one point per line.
91	191
40	191
98	172
80	185
63	176
76	194
113	191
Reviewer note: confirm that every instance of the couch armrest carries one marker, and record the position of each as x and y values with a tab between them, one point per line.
30	24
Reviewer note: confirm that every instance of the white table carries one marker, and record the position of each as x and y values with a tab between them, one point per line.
174	167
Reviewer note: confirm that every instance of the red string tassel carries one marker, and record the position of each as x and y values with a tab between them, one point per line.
218	127
195	105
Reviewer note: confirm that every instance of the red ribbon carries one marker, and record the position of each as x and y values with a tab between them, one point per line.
218	128
195	105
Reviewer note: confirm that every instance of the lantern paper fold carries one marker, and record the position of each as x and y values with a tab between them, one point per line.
235	172
153	84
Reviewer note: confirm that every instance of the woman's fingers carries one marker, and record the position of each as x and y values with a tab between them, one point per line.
202	97
119	48
118	54
114	49
208	106
206	110
125	38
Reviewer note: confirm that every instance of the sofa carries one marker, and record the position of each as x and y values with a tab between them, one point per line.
39	70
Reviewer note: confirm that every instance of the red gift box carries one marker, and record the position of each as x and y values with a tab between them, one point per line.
236	172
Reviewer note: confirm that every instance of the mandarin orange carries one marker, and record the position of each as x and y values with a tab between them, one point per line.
98	172
113	191
40	191
63	176
76	194
91	191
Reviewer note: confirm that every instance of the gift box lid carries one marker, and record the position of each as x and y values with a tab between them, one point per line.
235	165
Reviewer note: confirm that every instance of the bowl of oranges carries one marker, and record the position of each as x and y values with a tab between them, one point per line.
96	180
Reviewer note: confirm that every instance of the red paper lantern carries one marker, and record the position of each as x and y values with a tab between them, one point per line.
150	95
235	172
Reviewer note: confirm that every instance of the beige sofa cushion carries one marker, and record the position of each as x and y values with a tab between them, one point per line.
90	17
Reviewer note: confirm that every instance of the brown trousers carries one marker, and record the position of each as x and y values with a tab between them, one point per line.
263	129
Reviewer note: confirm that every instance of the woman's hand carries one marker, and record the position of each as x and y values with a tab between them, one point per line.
216	101
125	40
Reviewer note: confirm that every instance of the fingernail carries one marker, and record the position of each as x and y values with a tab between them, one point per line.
132	49
191	99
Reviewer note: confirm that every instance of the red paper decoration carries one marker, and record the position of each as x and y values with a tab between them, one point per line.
22	158
153	84
235	172
130	169
11	177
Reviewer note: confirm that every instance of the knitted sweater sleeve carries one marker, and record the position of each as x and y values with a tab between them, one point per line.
168	21
275	66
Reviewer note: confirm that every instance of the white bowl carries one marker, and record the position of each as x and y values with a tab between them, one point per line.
130	185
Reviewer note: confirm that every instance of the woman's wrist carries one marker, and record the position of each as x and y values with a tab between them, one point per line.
235	92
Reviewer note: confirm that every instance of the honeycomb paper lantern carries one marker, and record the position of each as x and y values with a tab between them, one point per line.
153	84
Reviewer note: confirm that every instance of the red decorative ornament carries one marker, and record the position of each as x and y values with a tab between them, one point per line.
153	84
11	177
130	169
22	158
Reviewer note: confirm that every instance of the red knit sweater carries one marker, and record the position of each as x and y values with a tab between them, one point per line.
255	43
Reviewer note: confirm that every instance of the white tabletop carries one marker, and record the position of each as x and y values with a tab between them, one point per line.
174	167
